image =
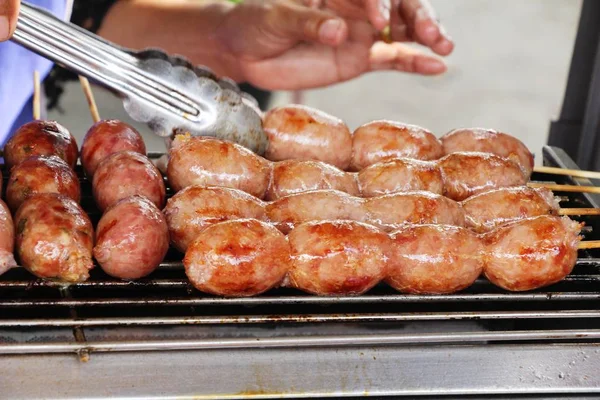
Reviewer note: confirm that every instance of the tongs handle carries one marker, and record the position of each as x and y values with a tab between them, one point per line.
88	55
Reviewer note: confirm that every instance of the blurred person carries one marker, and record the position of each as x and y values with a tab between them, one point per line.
266	45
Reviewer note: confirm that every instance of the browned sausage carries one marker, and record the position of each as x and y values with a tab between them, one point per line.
7	239
383	140
196	207
302	133
105	138
337	257
400	175
434	259
41	138
126	174
211	162
531	253
54	238
132	239
295	176
41	174
237	258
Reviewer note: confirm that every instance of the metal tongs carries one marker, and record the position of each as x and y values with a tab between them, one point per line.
166	92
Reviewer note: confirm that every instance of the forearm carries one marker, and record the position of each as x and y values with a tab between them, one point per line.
176	26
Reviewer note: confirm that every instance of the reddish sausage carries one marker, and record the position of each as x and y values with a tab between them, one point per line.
7	239
41	174
212	162
105	138
132	238
126	174
41	138
54	238
196	207
383	140
237	258
302	133
337	257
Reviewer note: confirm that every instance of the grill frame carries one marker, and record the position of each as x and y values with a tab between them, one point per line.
284	322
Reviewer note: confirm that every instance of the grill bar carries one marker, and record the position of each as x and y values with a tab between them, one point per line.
303	342
299	318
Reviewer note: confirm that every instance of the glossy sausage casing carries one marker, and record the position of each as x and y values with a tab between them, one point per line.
7	239
400	175
132	238
337	257
383	140
212	162
54	238
531	253
127	174
108	137
298	132
468	173
237	258
41	138
489	141
488	210
41	174
296	176
434	259
196	207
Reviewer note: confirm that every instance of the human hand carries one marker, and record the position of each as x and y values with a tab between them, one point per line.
9	10
292	45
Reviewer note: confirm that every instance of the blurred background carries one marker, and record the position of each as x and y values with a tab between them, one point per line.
508	72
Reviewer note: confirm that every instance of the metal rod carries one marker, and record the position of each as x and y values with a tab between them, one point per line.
300	342
298	318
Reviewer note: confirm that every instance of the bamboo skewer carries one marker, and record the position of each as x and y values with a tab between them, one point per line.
579	211
36	96
568	172
87	91
589	244
565	188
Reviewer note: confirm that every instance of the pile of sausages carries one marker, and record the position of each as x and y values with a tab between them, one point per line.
327	212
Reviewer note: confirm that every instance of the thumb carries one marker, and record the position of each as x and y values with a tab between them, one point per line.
311	25
9	10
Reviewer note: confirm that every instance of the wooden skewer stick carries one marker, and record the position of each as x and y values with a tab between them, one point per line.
565	188
589	244
87	90
568	172
36	96
579	211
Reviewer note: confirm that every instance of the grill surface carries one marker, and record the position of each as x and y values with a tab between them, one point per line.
164	314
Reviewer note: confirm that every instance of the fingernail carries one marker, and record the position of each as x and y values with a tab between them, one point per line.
4	27
330	30
433	66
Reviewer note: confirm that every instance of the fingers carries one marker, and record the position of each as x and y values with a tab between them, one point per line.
415	20
401	57
9	10
375	14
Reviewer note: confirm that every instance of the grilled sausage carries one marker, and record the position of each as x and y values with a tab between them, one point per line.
302	133
489	141
295	176
400	175
212	162
132	238
434	259
54	238
531	253
383	140
337	257
41	138
237	258
105	138
196	207
126	174
488	210
316	205
468	173
393	211
41	174
7	239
